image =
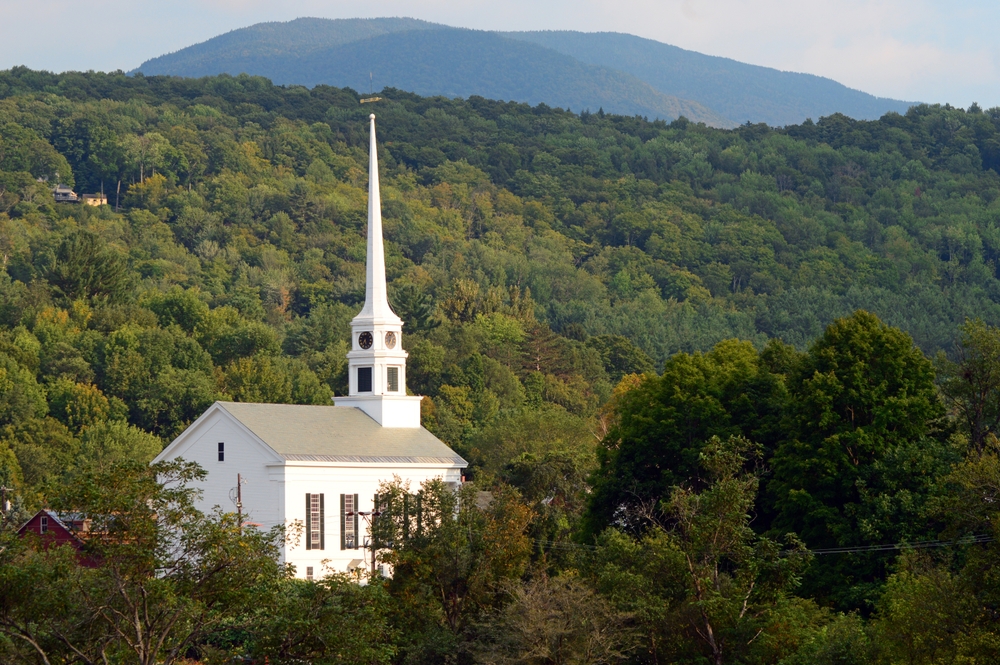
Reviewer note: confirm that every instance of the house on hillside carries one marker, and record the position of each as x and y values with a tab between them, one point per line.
321	466
94	200
65	194
54	530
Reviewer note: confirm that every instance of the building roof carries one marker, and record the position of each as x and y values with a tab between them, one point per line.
72	524
338	434
47	513
62	529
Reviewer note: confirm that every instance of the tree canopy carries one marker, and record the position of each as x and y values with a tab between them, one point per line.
637	332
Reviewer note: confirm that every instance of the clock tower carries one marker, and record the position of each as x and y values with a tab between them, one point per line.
377	361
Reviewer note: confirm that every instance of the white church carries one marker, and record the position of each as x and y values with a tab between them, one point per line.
321	466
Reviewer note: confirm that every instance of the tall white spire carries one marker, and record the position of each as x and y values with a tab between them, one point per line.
376	363
376	309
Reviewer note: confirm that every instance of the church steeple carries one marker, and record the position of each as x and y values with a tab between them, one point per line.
376	307
377	361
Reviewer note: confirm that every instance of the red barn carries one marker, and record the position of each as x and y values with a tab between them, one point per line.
54	531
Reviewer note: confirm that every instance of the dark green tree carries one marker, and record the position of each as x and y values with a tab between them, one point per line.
334	620
971	385
452	554
416	307
702	585
863	452
620	356
85	267
662	424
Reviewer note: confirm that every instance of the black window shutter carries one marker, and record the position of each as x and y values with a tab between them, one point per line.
309	521
374	530
406	515
357	536
343	524
420	514
322	523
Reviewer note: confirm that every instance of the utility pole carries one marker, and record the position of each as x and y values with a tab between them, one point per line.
239	500
368	543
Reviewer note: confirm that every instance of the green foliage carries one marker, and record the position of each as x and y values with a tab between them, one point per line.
10	470
180	307
927	615
735	577
78	405
861	452
115	442
453	552
844	640
721	584
21	398
22	149
198	574
972	385
85	269
335	620
663	423
550	263
620	356
556	620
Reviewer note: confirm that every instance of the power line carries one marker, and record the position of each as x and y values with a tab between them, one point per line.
563	545
888	547
920	544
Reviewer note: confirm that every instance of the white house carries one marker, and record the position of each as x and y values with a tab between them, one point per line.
321	466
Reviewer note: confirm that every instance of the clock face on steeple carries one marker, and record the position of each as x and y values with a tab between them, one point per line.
365	340
390	340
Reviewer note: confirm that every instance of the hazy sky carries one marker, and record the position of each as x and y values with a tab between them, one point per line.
915	50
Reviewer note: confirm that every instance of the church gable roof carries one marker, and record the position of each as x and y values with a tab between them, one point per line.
338	434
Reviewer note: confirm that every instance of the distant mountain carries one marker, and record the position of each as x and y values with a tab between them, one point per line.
617	72
427	59
267	49
461	63
739	91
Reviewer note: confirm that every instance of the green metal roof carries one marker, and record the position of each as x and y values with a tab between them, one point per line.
338	434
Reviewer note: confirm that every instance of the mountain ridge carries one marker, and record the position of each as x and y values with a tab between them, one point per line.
476	58
476	62
726	89
309	34
618	72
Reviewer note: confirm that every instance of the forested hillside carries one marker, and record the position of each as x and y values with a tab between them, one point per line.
642	335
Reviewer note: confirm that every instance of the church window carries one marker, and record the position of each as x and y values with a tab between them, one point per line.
315	519
309	572
348	521
222	451
392	379
364	379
